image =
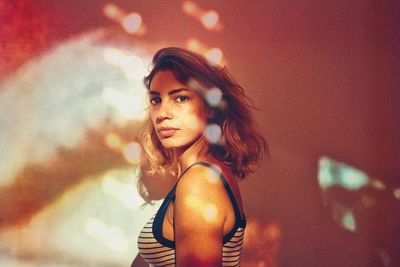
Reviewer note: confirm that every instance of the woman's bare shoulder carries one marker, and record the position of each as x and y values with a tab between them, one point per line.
204	175
202	183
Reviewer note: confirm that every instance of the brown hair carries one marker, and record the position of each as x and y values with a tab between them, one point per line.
242	146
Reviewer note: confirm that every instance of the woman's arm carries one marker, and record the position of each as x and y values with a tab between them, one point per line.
199	216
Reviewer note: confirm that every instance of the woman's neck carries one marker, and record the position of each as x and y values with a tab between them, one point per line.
198	151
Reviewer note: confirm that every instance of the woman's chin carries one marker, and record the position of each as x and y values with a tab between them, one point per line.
178	143
169	143
174	144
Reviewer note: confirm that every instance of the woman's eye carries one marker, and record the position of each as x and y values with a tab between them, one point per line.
155	100
182	98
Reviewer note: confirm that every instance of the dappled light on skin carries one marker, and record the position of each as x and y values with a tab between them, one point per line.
210	212
209	19
112	236
131	22
192	120
212	176
193	202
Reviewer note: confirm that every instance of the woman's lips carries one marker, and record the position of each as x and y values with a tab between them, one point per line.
166	132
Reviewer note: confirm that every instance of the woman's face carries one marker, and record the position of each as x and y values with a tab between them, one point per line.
179	115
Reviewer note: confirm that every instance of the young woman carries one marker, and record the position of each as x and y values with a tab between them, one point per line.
201	129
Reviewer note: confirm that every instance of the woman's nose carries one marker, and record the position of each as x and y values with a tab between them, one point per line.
164	112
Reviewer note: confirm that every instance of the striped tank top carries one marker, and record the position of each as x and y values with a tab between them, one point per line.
159	251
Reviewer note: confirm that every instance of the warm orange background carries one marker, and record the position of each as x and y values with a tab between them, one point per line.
324	75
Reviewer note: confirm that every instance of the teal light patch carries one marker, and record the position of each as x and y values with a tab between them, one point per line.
348	221
332	172
325	177
352	178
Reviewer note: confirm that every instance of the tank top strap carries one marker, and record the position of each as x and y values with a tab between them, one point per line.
171	194
224	182
159	217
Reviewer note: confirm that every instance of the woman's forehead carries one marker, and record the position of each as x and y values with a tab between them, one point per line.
164	79
165	82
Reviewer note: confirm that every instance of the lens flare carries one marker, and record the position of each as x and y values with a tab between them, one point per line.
113	141
114	56
193	44
132	153
352	179
112	96
396	193
132	22
112	11
349	221
209	19
332	172
190	8
131	65
213	133
133	68
214	97
128	105
121	191
214	55
377	184
112	236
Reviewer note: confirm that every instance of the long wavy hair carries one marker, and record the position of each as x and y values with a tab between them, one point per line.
240	147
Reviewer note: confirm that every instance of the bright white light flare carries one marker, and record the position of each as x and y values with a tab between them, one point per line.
112	236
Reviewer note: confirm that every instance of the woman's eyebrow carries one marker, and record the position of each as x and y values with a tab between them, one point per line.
152	92
178	90
171	92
